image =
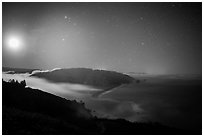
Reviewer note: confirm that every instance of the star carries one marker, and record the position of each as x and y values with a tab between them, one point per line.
67	19
173	5
142	43
74	24
63	39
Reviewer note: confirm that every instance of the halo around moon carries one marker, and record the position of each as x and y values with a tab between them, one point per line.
14	43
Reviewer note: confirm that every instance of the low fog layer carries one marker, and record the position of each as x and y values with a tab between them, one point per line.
172	101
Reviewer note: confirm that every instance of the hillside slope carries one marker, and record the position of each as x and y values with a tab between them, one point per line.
30	111
96	78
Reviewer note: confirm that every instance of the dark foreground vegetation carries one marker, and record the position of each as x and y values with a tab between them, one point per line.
31	111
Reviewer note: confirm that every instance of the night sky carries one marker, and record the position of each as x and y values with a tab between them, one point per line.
156	38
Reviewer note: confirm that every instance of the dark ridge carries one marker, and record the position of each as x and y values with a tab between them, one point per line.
34	112
17	95
96	78
17	70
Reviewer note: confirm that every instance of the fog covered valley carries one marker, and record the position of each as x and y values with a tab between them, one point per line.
171	100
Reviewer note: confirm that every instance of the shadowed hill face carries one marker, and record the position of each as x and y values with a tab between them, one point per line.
30	111
96	78
17	70
16	95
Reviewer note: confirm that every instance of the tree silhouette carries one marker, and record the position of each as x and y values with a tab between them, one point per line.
23	83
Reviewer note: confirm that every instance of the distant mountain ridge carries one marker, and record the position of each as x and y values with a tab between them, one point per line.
96	78
17	70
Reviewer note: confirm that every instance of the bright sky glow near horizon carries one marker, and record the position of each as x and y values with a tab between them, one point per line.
156	38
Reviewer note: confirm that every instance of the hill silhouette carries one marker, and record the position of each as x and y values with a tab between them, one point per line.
17	70
96	78
31	111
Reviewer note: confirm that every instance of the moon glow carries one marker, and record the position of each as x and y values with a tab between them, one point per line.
14	43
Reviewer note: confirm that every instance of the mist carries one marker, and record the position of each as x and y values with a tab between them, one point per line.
156	100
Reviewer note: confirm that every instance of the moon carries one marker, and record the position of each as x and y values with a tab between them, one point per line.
14	43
